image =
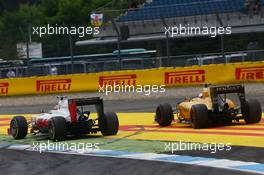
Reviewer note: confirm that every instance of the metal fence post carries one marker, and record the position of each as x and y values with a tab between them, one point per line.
118	43
71	53
167	42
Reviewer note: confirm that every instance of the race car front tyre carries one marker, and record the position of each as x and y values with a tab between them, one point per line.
110	125
199	116
164	114
57	128
19	127
253	112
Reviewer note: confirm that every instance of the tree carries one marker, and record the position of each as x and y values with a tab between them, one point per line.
17	16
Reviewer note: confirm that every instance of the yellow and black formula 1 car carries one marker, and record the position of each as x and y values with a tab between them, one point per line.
210	107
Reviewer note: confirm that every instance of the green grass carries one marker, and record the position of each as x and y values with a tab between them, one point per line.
103	143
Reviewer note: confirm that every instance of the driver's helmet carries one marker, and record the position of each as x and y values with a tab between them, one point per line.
205	93
63	102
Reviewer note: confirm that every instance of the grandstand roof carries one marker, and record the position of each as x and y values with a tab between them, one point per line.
161	36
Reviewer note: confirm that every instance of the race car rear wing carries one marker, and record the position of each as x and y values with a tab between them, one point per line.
218	90
86	101
227	89
97	101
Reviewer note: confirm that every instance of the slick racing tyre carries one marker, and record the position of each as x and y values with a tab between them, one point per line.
110	125
199	116
164	114
19	127
57	128
253	112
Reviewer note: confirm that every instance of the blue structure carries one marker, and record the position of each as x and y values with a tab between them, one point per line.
178	8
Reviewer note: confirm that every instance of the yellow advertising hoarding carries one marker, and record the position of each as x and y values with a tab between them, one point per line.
195	75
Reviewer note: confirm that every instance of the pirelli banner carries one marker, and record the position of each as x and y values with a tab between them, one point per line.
195	75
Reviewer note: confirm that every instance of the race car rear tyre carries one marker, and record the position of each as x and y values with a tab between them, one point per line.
164	114
199	116
19	127
57	128
110	125
253	112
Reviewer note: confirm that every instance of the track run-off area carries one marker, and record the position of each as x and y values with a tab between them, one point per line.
141	126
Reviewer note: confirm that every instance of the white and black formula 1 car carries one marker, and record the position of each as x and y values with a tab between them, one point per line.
67	118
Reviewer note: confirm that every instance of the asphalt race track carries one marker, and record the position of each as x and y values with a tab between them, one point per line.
26	162
115	105
29	163
146	105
